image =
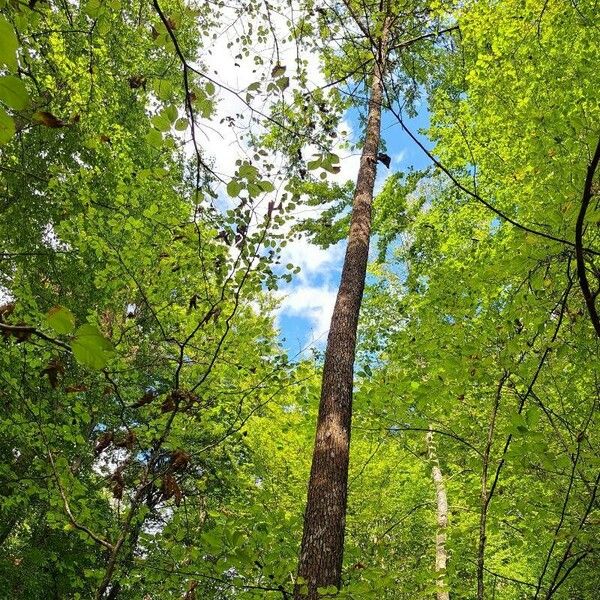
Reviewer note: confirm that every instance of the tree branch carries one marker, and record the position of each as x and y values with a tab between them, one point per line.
26	330
584	284
476	196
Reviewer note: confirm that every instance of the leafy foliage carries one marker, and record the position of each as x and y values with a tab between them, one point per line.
156	435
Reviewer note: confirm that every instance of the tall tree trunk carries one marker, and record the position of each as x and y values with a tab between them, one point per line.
441	556
322	548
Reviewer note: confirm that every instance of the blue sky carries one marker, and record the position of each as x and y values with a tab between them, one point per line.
304	317
306	303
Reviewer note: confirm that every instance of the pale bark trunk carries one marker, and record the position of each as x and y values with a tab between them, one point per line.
322	548
441	554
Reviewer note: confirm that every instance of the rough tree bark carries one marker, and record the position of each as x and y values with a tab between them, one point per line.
322	548
441	555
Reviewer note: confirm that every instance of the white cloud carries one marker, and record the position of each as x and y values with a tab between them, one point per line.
398	157
234	72
314	303
311	295
313	261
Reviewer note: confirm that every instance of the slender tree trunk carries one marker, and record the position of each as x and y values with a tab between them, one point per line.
322	548
482	528
485	493
441	555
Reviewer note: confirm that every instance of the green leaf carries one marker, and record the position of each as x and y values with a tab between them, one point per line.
328	591
161	122
154	138
234	188
278	71
60	319
283	83
210	88
518	424
204	106
8	44
103	24
90	347
163	89
7	127
248	171
13	92
93	7
254	190
170	112
532	416
181	124
331	163
266	186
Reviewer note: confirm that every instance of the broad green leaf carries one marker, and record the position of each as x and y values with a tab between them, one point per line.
7	127
8	44
283	83
204	106
161	122
90	347
266	186
234	188
61	319
254	190
181	124
154	138
248	171
13	92
93	8
331	163
163	88
327	591
170	112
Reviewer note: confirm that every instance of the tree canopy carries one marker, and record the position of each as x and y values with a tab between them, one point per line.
165	166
